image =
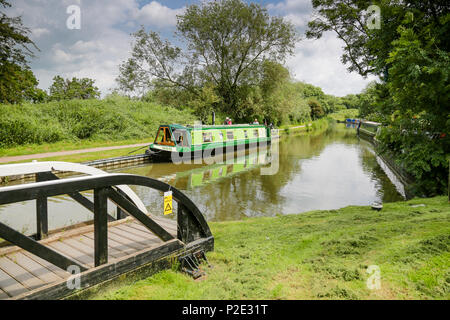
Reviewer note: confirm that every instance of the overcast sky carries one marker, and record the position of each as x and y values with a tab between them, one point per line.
103	41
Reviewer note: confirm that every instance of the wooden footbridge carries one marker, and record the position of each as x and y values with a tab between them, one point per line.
49	266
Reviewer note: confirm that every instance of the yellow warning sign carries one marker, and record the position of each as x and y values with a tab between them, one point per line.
168	203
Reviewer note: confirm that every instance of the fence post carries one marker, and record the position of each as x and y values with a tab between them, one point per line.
41	210
41	218
101	226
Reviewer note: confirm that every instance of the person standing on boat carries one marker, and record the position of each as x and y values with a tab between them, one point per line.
256	121
229	122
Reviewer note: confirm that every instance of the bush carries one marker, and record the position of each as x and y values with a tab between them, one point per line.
114	118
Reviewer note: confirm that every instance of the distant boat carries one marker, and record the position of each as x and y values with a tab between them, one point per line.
191	142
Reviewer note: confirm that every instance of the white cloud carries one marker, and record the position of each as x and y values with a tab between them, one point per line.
296	11
102	44
38	32
104	40
318	62
155	14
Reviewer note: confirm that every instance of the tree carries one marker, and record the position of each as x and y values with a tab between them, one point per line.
17	82
316	109
73	89
410	53
227	42
366	50
420	90
204	103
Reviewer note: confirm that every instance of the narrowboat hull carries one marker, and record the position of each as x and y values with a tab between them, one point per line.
161	155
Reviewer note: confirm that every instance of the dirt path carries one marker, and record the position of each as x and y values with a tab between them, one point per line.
66	153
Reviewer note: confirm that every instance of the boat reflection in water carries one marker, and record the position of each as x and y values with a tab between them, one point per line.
187	180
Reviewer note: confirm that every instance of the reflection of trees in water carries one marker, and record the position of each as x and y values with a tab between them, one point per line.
253	194
294	149
384	186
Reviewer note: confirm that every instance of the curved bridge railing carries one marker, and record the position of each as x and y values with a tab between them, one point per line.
191	225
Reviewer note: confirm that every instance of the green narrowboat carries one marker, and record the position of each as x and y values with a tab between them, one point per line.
191	142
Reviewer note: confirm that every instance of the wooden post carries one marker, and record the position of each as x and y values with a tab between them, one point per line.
120	214
42	209
41	218
181	225
100	226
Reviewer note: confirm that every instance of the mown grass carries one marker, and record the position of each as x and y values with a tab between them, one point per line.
82	123
319	255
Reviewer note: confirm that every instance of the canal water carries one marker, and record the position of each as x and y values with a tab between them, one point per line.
325	171
321	171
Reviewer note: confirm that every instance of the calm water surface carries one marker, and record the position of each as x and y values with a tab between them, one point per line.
324	171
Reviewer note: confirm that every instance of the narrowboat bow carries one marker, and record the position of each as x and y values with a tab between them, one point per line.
176	142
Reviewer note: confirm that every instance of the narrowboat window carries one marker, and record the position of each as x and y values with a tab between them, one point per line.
164	137
262	133
255	133
160	136
207	137
230	135
220	136
181	138
245	134
168	137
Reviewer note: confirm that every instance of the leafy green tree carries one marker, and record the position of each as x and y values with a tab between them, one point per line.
410	53
316	109
366	50
83	88
204	104
17	82
227	42
420	90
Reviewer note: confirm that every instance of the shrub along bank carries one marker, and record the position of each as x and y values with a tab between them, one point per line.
110	119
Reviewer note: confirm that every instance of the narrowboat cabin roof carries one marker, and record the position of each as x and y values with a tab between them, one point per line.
205	127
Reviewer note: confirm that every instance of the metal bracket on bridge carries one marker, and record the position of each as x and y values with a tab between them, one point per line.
190	263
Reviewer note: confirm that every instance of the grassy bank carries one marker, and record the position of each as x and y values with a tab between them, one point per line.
319	255
35	128
341	115
314	126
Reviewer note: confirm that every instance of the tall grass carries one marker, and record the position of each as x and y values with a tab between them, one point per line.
115	118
